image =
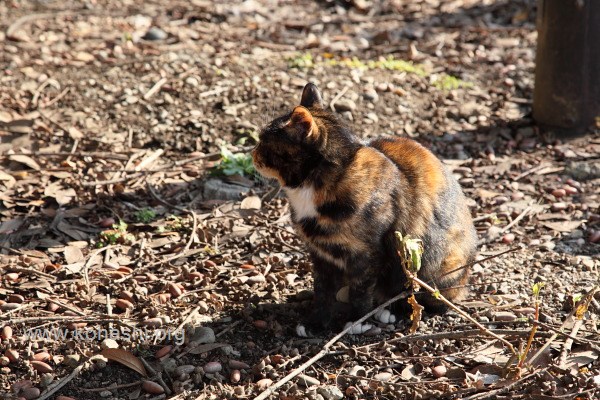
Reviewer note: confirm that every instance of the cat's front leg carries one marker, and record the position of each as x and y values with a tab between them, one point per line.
327	279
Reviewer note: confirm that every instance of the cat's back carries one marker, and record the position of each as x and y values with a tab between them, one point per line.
423	170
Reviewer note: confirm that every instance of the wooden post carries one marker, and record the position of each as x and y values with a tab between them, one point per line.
566	98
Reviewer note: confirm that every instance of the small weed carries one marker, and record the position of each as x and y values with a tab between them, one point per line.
172	224
118	234
449	82
145	215
239	163
301	61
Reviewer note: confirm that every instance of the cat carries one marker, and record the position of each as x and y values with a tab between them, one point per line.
347	200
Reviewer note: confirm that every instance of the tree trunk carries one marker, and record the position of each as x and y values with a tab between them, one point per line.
566	98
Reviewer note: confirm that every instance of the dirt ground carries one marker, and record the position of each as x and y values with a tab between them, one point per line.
117	218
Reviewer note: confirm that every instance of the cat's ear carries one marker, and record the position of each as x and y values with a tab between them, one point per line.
303	124
311	96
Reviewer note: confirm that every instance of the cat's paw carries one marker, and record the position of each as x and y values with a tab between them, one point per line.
385	316
358	329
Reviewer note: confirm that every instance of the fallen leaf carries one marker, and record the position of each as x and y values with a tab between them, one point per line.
566	226
73	255
25	160
251	203
126	358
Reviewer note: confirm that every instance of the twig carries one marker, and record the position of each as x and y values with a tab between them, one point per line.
529	171
514	221
213	92
230	327
156	375
337	97
463	314
493	393
53	389
480	261
149	160
31	271
154	89
185	320
66	307
591	343
57	98
102	389
112	181
324	351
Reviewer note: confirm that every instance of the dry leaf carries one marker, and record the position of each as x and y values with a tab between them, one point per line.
126	358
566	226
73	255
251	203
415	316
25	160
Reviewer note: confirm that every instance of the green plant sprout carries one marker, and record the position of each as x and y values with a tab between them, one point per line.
449	82
118	234
144	215
239	163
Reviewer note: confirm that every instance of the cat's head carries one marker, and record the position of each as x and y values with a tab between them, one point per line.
292	147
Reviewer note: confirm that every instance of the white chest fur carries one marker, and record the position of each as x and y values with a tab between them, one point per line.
302	201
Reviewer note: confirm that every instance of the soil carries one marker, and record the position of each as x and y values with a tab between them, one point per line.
116	218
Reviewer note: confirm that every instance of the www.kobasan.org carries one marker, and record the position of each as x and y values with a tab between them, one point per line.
123	334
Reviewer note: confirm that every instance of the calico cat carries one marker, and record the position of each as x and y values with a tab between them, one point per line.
347	200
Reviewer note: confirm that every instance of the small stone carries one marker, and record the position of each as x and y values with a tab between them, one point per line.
595	236
6	333
263	384
234	364
504	316
549	246
383	376
373	117
184	369
371	95
109	344
155	33
163	351
72	360
348	115
41	356
41	367
559	206
344	105
235	376
106	394
330	392
152	387
30	393
522	311
439	370
307	381
12	355
558	193
123	304
508	238
203	335
570	189
212	367
192	81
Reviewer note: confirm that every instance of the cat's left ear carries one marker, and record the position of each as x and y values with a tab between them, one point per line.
311	96
302	124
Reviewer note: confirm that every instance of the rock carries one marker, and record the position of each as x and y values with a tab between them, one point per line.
202	335
504	316
184	369
439	370
348	115
155	33
330	392
344	105
216	189
373	117
583	170
371	95
109	344
30	393
212	367
263	384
